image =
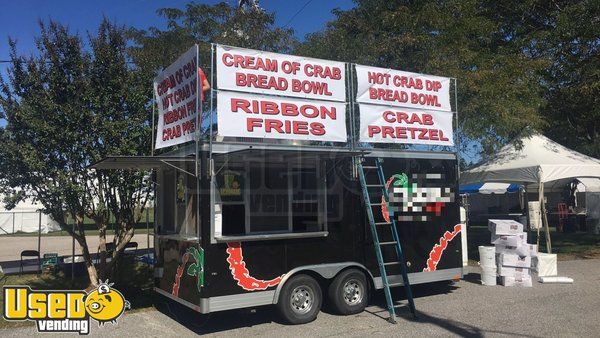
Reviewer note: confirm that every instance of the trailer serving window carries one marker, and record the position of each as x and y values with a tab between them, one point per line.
264	195
177	194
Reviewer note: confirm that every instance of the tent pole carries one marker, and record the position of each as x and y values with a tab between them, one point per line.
541	200
545	219
526	206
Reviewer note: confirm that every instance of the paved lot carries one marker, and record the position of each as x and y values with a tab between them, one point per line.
11	246
464	309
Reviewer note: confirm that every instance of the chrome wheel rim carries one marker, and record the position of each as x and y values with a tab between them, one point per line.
353	292
302	299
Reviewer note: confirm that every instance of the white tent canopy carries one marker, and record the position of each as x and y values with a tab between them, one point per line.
540	160
25	217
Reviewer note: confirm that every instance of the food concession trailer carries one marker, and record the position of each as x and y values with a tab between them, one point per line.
244	221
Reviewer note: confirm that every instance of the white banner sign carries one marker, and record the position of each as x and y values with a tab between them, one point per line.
176	96
248	115
402	89
405	125
278	74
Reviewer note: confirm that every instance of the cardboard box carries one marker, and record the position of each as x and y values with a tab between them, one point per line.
525	281
505	227
506	249
527	250
515	261
509	271
510	240
545	264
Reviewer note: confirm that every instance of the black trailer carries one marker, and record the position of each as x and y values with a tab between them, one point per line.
272	222
271	203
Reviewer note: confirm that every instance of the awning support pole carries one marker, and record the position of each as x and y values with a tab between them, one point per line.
183	170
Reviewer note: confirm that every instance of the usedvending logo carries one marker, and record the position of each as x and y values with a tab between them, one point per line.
64	310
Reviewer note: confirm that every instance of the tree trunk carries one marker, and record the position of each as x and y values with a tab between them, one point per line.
101	224
89	263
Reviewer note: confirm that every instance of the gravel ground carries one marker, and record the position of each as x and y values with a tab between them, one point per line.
464	308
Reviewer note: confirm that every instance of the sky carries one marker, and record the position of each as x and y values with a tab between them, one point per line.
20	18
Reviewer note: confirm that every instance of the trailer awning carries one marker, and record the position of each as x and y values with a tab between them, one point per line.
140	162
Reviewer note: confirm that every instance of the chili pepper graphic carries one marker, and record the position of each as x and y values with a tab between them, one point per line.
414	201
436	253
240	273
175	290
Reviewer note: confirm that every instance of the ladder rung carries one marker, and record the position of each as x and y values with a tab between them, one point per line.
383	223
369	167
391	263
378	204
387	243
395	284
374	185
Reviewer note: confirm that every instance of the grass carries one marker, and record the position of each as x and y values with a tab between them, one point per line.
579	245
133	280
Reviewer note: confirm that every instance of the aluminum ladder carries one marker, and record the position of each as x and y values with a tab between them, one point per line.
375	234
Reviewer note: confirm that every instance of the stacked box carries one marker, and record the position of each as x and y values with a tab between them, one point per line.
513	253
545	264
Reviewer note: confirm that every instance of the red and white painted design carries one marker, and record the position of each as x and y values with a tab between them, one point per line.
175	290
384	207
240	273
436	253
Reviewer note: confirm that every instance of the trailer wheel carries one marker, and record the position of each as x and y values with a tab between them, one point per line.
300	300
349	292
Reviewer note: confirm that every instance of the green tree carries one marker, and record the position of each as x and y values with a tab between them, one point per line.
65	109
573	80
154	49
499	77
206	24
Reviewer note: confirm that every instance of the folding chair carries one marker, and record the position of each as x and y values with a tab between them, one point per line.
131	245
29	253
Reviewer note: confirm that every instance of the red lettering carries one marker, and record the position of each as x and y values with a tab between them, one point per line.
242	104
373	130
300	128
253	122
387	131
273	125
317	128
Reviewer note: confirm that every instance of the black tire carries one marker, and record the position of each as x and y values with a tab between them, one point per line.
300	300
349	292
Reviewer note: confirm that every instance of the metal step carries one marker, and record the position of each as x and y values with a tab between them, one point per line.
391	263
387	243
383	223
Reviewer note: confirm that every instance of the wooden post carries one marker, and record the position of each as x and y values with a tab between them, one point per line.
544	219
526	203
541	200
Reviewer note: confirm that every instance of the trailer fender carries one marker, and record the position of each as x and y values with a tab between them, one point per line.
327	271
